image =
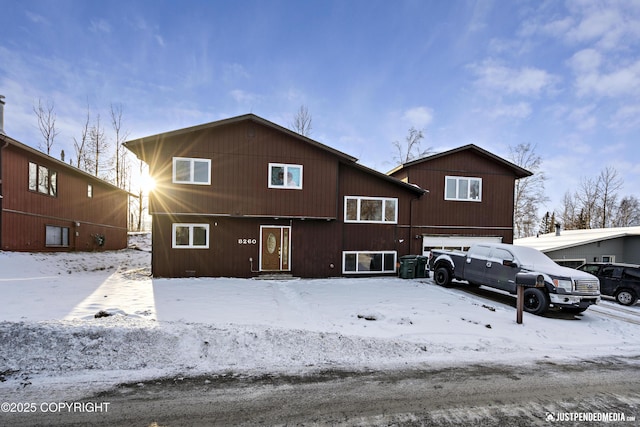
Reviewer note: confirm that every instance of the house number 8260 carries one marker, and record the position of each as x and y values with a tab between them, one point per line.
247	241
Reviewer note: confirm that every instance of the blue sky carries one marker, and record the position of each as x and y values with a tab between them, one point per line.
563	75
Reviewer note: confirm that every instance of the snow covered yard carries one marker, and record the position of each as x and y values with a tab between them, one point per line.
51	341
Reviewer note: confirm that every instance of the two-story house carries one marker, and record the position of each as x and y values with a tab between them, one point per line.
471	197
243	196
48	205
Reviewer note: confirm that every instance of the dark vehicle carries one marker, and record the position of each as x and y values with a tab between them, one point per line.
621	281
496	265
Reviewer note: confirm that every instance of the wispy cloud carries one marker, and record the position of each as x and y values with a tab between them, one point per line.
622	81
529	81
232	72
36	18
100	26
244	97
151	31
610	25
584	117
520	110
626	118
418	117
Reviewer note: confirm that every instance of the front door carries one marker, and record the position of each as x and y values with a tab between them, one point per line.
275	250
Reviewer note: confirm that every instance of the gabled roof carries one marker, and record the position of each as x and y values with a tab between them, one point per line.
573	238
135	144
59	163
517	170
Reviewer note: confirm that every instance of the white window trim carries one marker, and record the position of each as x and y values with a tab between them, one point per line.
458	178
284	185
191	227
50	182
359	199
383	271
61	244
191	161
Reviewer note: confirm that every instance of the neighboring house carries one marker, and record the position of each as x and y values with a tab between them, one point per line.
471	197
48	205
575	247
243	197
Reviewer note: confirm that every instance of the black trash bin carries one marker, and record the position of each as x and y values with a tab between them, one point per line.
408	265
421	266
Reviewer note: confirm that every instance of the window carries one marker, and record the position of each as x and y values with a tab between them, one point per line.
285	176
190	236
90	191
607	272
369	262
631	274
502	254
593	269
57	236
191	171
43	180
370	209
463	188
480	252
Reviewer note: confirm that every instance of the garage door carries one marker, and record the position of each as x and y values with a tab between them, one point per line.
461	243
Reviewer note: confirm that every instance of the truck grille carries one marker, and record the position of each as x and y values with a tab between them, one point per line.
588	286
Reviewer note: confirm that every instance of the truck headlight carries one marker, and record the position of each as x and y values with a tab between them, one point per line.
567	285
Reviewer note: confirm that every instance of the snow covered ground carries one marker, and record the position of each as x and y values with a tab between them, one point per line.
51	343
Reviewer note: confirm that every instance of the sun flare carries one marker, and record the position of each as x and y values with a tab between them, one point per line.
147	182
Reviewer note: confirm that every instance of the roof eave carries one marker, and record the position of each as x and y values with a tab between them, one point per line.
11	141
519	171
135	143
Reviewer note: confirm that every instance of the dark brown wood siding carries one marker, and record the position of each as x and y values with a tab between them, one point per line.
378	237
234	247
239	201
240	154
25	213
317	245
493	216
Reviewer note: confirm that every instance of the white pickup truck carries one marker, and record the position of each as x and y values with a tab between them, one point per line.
496	264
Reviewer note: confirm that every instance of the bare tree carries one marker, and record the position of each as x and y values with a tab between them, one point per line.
81	146
586	197
302	121
548	223
138	205
410	149
595	203
98	146
121	166
628	212
529	194
140	198
569	212
46	124
608	185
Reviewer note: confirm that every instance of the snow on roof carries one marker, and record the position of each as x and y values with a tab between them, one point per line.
571	238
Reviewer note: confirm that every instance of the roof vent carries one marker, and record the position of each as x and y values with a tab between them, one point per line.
2	115
557	229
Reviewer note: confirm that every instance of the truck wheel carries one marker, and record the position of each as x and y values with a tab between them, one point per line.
536	301
442	276
626	297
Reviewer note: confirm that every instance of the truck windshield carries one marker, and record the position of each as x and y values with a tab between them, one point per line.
529	256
